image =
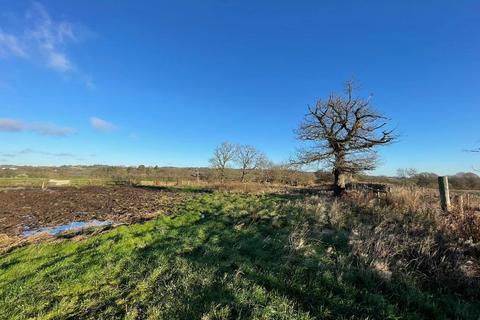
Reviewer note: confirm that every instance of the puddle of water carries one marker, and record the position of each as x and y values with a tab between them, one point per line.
73	226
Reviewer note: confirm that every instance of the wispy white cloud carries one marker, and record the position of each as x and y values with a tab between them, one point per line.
7	155
11	125
46	129
49	129
10	45
50	37
101	125
45	153
45	40
50	154
59	62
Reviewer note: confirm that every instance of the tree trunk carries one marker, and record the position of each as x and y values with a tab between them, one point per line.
222	175
242	179
339	183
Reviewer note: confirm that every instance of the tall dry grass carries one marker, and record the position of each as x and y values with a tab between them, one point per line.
405	235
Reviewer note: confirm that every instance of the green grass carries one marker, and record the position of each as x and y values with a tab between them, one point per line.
251	257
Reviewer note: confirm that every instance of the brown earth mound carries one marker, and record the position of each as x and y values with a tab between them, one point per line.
22	209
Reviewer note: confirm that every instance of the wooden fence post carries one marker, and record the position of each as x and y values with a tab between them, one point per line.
444	193
460	203
388	192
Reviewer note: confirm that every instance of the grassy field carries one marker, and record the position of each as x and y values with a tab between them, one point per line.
220	257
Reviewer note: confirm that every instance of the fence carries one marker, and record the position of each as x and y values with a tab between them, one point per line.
418	197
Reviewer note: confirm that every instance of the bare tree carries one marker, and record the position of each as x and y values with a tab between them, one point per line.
406	173
289	173
248	158
267	170
342	132
222	156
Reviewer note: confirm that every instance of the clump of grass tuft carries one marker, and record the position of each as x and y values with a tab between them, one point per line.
411	237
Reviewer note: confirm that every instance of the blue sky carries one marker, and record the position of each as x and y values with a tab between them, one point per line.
162	83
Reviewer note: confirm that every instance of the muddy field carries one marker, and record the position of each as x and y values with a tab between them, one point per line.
27	209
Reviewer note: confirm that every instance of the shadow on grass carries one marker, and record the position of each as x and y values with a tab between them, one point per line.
253	264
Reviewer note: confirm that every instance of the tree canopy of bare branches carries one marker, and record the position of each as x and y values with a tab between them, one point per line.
406	173
222	156
249	158
342	132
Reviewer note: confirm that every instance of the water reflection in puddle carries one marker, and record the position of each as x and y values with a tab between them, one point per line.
73	226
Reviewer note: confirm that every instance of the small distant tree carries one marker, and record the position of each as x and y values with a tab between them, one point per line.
426	179
267	171
223	155
407	175
290	174
342	132
196	174
248	158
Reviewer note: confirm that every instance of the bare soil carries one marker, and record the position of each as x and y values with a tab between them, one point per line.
34	208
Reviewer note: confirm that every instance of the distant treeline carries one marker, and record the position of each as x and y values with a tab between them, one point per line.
281	174
459	181
278	174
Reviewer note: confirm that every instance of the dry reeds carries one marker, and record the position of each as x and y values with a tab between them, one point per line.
405	233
